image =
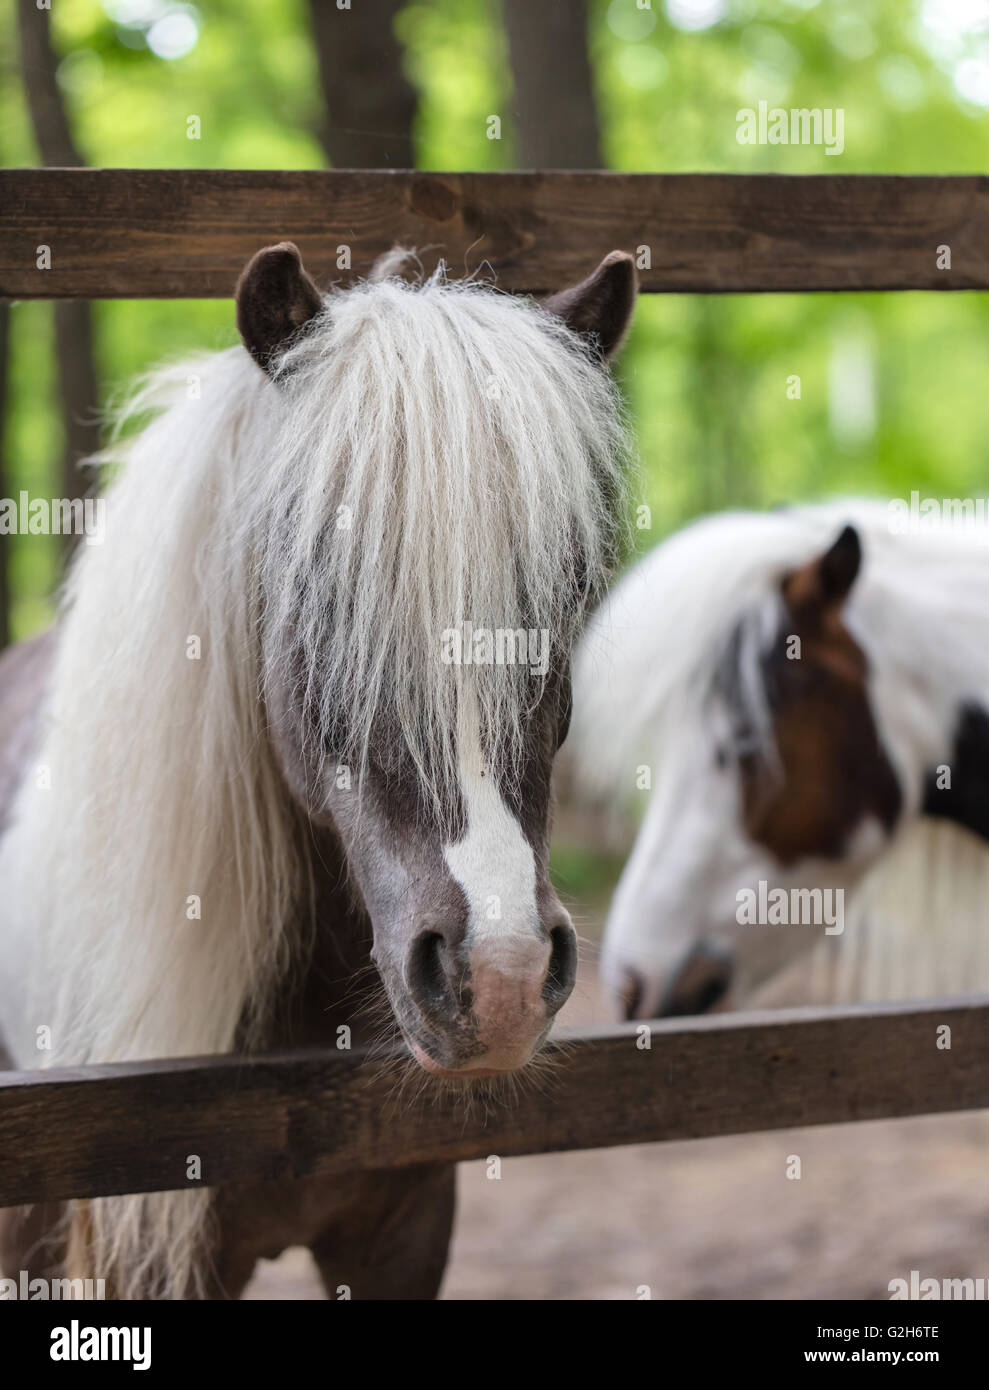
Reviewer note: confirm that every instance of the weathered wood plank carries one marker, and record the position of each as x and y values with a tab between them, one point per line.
187	233
113	1129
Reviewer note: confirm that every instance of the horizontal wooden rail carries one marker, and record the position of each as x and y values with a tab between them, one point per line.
153	233
112	1129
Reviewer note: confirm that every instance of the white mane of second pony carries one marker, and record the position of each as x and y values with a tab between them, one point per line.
470	442
653	652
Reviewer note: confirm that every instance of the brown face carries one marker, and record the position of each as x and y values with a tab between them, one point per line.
832	772
475	950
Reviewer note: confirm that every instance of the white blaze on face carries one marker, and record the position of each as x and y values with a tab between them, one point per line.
678	885
493	863
507	953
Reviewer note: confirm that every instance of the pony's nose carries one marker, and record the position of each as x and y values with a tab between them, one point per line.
523	975
701	982
517	987
502	990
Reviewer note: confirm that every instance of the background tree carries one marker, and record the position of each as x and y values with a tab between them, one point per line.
554	105
78	390
4	491
370	104
706	377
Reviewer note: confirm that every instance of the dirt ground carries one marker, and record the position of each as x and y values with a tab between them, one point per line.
714	1218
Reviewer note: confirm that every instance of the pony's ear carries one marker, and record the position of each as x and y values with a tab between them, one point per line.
600	307
275	299
826	581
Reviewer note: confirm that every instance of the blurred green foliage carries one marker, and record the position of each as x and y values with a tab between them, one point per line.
890	384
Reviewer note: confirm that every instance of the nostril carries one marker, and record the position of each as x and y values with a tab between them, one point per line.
427	978
631	993
562	970
713	991
703	981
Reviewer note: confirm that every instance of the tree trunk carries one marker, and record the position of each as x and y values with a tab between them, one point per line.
73	320
370	104
4	489
555	111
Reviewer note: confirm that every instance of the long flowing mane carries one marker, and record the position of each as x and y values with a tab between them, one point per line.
431	454
467	448
708	599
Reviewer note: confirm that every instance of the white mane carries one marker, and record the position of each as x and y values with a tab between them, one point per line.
468	450
655	649
474	443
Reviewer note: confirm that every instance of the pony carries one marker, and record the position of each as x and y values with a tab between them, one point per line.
801	699
248	766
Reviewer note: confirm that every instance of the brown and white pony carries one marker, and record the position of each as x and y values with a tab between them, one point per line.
298	715
799	703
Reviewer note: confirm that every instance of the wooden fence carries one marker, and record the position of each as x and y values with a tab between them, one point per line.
97	1131
174	233
147	233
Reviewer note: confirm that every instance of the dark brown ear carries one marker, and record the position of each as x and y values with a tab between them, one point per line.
825	582
600	307
275	298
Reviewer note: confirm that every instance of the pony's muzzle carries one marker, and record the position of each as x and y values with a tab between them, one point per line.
487	1005
700	981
